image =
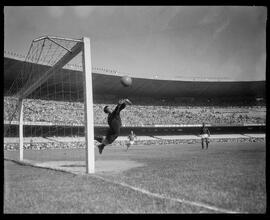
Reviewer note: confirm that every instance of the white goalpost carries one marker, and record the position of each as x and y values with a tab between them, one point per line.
89	114
53	96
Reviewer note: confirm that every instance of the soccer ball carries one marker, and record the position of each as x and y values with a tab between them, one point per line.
126	81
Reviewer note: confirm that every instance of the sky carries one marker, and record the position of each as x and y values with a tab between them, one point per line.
172	42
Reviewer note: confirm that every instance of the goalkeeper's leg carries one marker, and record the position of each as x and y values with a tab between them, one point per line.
99	138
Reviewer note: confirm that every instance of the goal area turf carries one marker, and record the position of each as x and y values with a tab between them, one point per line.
226	178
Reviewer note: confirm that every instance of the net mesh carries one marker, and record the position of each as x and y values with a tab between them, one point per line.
54	108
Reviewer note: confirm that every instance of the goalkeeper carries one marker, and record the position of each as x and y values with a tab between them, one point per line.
114	121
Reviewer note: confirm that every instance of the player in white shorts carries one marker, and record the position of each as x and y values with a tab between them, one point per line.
205	134
131	139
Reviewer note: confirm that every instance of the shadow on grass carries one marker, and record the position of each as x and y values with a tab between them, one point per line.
73	165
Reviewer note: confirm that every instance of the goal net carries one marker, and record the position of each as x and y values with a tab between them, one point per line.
50	103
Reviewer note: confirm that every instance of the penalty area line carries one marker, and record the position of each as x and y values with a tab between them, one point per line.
146	192
198	204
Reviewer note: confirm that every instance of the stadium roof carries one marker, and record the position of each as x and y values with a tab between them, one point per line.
108	82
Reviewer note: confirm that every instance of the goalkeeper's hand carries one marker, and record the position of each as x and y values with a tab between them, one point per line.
126	101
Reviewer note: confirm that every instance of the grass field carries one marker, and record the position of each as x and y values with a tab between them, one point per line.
228	176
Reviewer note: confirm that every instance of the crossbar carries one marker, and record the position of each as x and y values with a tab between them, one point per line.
56	38
59	44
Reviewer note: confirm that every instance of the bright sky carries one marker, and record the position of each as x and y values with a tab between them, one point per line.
167	41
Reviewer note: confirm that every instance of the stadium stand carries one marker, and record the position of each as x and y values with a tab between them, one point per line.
155	102
59	112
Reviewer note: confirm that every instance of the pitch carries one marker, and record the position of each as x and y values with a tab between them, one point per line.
171	179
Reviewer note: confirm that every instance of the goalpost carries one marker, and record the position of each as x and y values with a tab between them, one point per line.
52	98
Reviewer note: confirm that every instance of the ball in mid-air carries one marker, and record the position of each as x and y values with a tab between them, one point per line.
126	81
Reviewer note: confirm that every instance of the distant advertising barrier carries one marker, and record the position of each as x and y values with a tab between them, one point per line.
245	124
43	123
67	130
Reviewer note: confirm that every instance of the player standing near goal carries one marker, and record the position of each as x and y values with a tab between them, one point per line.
131	139
115	123
205	134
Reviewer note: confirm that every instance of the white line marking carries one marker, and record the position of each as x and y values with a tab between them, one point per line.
198	204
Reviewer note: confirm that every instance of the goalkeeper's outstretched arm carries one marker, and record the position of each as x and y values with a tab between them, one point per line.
122	104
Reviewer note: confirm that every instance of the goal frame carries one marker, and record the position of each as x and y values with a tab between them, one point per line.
83	45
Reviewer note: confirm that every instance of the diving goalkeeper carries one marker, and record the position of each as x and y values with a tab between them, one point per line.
115	123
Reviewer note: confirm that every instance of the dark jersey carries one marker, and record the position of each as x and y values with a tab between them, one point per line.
114	121
114	117
205	130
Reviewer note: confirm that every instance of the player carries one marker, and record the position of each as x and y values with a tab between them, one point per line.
205	134
131	139
114	121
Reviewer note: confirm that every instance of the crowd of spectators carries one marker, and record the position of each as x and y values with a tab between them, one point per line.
72	113
150	112
80	144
